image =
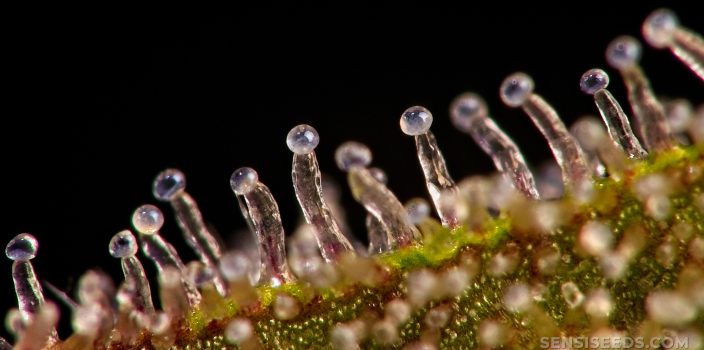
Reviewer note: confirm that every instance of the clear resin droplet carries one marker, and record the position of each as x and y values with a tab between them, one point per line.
302	139
243	180
593	80
147	219
22	248
469	114
190	221
516	89
659	28
416	121
123	245
309	192
623	53
351	155
263	213
169	184
565	149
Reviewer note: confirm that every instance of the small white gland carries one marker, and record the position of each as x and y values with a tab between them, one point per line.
14	323
547	260
679	115
503	263
286	307
235	266
590	133
159	323
418	210
343	337
670	308
658	207
696	249
595	238
666	254
239	331
598	303
683	231
652	185
549	216
385	332
89	318
492	334
455	280
517	298
398	310
422	286
437	317
572	295
613	265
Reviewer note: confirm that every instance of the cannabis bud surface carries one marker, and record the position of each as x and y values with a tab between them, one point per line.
615	250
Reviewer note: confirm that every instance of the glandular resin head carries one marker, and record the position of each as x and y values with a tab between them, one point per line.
169	184
620	255
352	155
22	248
147	219
302	139
243	180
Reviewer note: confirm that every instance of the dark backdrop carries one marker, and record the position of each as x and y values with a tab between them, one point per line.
101	101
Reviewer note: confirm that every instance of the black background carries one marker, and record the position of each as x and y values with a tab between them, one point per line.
100	101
